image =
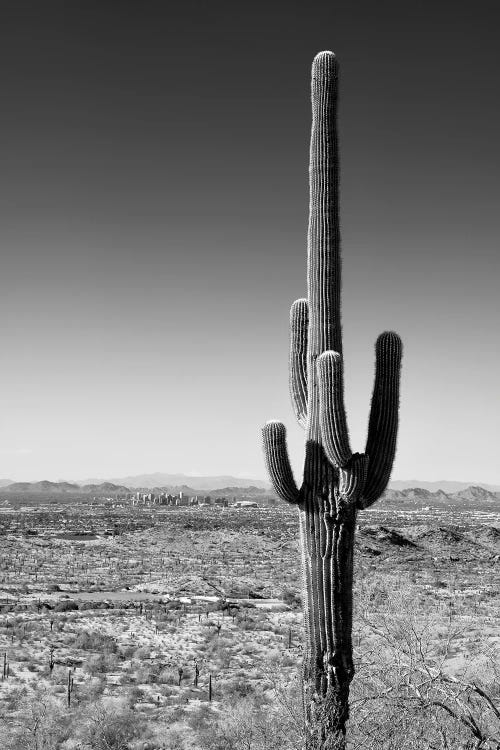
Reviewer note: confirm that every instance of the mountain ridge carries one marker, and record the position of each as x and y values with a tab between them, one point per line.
44	487
445	485
473	497
197	482
216	482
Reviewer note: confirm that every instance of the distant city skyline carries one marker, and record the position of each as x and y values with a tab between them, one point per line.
153	201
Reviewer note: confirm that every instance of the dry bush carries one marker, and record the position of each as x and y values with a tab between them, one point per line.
408	693
90	691
292	598
112	727
96	664
95	641
250	726
40	723
236	688
414	689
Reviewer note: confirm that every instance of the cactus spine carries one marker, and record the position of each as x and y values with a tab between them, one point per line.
336	482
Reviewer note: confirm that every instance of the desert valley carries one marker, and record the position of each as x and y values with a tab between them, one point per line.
150	626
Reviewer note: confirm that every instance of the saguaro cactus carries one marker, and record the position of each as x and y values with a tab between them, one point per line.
336	483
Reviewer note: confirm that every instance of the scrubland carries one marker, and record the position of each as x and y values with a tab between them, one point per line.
181	628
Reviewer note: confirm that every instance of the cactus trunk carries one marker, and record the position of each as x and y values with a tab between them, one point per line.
336	482
329	547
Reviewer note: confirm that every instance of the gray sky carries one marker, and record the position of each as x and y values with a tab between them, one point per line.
153	201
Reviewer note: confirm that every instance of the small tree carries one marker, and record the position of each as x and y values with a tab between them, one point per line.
113	728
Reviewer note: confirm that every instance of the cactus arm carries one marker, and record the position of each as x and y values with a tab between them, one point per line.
352	478
299	321
332	412
383	423
278	463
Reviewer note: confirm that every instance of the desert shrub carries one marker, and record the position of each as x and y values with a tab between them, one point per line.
246	726
126	652
174	740
154	673
274	658
143	675
95	641
96	665
292	598
238	687
134	695
113	727
91	690
165	677
254	623
144	652
169	690
173	604
170	677
41	724
288	659
408	694
202	718
66	606
13	698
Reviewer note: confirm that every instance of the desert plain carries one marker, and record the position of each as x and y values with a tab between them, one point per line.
181	627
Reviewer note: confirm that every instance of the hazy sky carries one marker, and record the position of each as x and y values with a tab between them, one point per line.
153	201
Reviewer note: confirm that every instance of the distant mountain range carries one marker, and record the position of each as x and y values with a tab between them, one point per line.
160	479
475	497
210	483
110	489
472	497
58	488
443	485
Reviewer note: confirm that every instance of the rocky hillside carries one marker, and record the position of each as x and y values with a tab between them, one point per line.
417	498
46	487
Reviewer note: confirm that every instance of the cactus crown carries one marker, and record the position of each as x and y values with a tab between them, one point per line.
316	362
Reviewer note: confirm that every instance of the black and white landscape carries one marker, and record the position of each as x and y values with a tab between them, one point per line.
153	221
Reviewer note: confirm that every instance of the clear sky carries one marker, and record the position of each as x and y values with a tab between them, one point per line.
153	215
